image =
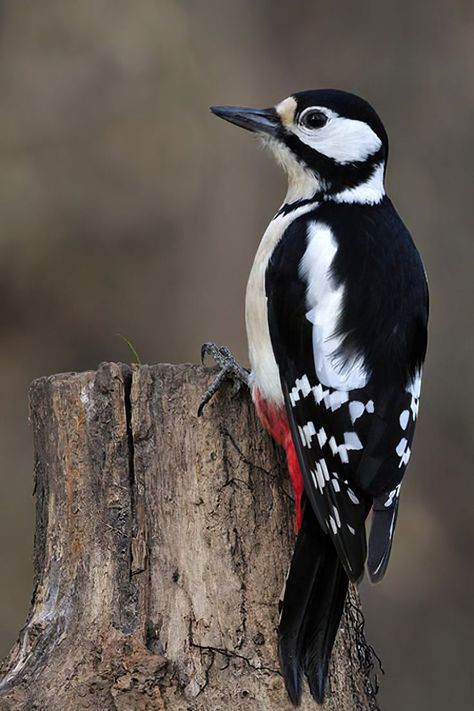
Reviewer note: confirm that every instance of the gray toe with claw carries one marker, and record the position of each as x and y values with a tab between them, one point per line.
230	370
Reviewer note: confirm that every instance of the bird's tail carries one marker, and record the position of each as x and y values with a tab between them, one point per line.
311	610
384	518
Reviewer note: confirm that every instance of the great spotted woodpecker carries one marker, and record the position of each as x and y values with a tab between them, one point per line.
336	316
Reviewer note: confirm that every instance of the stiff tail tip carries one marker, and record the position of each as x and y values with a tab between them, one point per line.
312	607
380	540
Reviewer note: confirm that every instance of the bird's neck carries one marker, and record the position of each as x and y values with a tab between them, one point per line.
369	191
305	186
302	185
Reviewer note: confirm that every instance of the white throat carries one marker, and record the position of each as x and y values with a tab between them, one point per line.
302	182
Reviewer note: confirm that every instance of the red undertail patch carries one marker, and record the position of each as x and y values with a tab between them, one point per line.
275	421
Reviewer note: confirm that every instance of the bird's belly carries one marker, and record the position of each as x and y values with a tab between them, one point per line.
265	373
265	376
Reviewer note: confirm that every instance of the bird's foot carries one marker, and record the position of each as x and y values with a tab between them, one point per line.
230	370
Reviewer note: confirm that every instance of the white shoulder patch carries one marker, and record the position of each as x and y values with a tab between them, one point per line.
369	193
324	301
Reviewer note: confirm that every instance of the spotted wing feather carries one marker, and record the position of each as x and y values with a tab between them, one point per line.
341	508
352	445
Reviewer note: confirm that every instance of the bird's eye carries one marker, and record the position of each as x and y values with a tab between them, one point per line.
314	119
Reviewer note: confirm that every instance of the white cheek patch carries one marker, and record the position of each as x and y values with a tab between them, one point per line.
342	139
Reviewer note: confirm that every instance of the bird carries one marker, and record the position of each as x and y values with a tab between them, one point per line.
336	318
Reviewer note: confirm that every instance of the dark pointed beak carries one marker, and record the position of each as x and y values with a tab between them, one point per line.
257	120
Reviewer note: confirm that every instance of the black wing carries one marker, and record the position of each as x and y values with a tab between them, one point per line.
352	446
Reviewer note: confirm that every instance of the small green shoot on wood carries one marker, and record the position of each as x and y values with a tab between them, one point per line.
132	348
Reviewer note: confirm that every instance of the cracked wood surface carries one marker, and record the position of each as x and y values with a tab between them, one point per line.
162	543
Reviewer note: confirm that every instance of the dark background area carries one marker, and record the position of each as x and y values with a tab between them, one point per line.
127	208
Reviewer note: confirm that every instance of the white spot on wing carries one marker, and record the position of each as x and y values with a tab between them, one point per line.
322	437
320	393
391	496
320	477
343	454
333	445
356	409
294	397
401	446
352	496
414	389
302	387
403	451
324	467
404	417
405	457
352	441
337	398
340	449
307	432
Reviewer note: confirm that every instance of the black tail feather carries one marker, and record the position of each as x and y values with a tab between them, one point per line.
299	585
322	621
383	524
312	608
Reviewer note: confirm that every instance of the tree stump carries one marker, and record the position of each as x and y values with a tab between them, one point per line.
161	547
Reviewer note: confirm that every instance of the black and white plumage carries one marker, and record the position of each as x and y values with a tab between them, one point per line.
351	383
336	312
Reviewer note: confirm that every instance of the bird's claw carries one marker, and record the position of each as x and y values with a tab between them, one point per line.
230	370
221	355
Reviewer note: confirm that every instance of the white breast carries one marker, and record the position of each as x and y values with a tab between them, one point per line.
265	375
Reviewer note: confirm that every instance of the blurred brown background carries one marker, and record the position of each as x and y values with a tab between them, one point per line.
126	207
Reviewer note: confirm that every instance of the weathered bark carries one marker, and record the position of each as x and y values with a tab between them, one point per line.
162	543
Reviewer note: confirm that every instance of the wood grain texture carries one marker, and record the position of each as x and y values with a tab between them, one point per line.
162	544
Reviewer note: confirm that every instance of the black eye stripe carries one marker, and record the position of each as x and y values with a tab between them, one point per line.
313	119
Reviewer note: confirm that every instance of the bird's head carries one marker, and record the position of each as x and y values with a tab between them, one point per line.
328	141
